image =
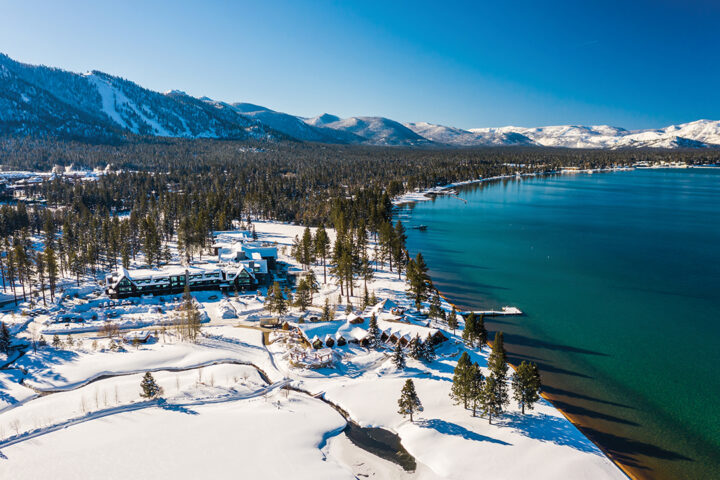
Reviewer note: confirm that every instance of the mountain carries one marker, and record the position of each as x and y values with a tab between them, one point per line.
702	133
43	100
375	130
40	100
295	126
464	138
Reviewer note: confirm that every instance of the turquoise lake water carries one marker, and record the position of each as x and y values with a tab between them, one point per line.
619	278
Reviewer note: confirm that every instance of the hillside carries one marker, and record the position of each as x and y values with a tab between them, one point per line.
36	100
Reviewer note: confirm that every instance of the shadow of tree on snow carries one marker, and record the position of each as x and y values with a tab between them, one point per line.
449	428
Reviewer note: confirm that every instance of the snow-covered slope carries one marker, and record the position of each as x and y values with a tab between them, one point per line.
294	126
375	130
701	133
463	138
43	100
39	100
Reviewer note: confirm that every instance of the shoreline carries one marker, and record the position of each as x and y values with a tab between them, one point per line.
626	470
426	195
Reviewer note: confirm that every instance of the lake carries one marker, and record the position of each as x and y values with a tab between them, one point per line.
619	278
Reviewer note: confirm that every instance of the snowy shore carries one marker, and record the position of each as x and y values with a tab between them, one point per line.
429	193
222	417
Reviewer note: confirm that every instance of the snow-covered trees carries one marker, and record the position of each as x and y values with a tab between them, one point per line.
373	333
409	402
302	295
149	388
398	357
275	301
475	332
5	339
526	385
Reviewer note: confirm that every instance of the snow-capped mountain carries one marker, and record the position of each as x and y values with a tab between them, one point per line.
464	138
294	126
375	130
702	133
39	100
42	100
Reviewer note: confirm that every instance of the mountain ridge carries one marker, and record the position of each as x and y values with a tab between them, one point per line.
41	100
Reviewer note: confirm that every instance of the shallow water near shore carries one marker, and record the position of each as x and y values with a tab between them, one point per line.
619	276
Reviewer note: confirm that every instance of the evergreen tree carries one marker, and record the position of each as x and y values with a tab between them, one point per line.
481	334
150	389
373	333
275	301
313	285
5	339
476	387
373	299
436	310
398	246
495	394
429	349
302	295
470	331
326	311
415	350
409	402
526	385
494	397
418	280
461	386
452	320
308	250
56	343
322	248
497	362
399	357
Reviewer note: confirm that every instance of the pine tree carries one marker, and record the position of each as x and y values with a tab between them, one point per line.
322	248
302	295
373	333
150	389
494	397
495	394
326	311
399	357
436	310
481	334
5	339
415	348
476	387
373	299
419	282
429	349
526	385
56	343
497	362
275	301
452	320
469	332
409	402
460	390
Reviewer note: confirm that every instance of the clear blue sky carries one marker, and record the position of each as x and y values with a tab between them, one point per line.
634	64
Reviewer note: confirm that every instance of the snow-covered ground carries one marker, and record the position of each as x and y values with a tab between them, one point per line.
220	416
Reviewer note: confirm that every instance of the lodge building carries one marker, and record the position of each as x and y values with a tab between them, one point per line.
239	276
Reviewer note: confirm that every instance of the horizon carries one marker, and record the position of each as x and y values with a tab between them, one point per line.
361	60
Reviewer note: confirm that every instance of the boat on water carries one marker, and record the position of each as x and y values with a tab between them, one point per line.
420	227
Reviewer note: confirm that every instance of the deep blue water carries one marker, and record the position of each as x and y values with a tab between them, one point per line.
619	277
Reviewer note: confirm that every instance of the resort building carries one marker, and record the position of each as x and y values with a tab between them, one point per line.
238	276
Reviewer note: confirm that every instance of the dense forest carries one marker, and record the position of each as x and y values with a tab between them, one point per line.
185	189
